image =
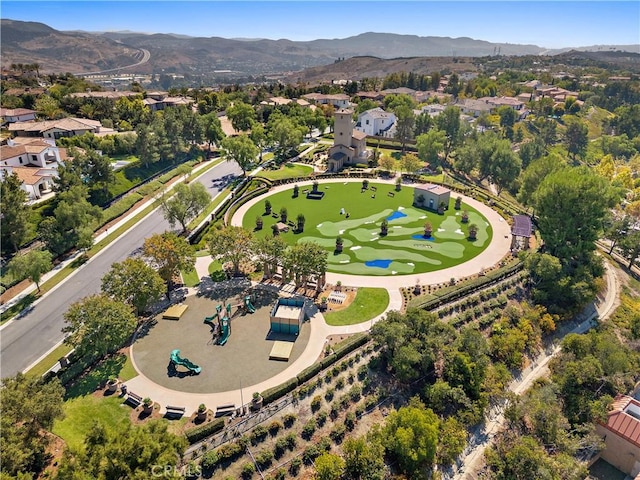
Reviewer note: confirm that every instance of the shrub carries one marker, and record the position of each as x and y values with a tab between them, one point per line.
248	469
324	445
264	458
280	447
338	432
279	391
258	434
292	441
309	372
344	401
328	395
308	429
279	474
350	421
335	410
289	419
203	431
343	366
363	370
321	418
359	411
274	427
340	383
210	460
294	466
310	454
355	392
315	403
351	378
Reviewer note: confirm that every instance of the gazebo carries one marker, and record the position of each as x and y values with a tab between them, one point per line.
521	231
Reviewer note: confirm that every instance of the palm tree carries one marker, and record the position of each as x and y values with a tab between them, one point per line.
384	227
428	229
274	229
259	222
267	207
300	220
473	231
283	215
441	208
339	242
457	204
465	216
296	190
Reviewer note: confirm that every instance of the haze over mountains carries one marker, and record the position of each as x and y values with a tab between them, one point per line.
86	52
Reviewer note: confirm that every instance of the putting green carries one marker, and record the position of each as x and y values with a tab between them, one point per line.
404	250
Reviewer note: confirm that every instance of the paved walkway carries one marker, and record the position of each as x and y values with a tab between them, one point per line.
320	330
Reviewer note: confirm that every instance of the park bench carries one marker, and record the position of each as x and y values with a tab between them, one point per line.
223	410
178	411
133	399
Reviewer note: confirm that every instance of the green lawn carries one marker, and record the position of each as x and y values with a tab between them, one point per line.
369	303
47	362
403	250
190	278
82	412
289	170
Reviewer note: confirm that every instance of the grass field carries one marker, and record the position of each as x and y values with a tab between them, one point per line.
403	250
369	303
289	170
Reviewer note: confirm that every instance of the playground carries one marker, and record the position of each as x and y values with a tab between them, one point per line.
356	214
215	356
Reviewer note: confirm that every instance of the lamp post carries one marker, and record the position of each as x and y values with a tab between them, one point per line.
241	398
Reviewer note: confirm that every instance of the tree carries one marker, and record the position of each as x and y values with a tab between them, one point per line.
213	133
430	146
449	122
231	244
15	214
29	408
410	163
576	138
48	107
300	220
147	145
124	451
364	458
572	204
387	163
97	325
304	260
31	265
284	132
411	437
405	120
329	467
186	202
241	150
504	167
531	151
617	230
630	247
133	282
508	117
535	173
96	168
452	440
242	116
72	222
169	254
269	251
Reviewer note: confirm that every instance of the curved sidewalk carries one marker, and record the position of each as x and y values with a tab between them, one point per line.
144	387
500	245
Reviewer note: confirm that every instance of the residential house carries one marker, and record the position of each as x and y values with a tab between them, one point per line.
12	115
349	145
113	95
35	161
433	109
376	122
375	96
65	127
621	433
161	100
511	102
339	100
474	107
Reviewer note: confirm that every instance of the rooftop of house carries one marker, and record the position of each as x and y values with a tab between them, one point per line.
358	135
69	124
513	102
114	95
521	226
12	151
624	419
14	112
29	175
433	188
474	104
377	113
398	91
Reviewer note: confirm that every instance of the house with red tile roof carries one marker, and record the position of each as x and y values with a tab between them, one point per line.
12	115
621	433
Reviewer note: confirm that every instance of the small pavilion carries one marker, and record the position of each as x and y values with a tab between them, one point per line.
521	231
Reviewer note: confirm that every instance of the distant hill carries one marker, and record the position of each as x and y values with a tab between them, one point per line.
82	52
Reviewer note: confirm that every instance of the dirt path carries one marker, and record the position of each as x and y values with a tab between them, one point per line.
472	459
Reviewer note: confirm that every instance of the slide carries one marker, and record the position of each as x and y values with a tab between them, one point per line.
210	320
177	360
247	303
226	331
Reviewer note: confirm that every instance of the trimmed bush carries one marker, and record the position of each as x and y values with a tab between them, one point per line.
355	392
279	391
322	418
316	403
264	458
280	447
338	433
258	434
248	469
203	431
309	372
309	429
274	427
310	454
289	419
295	466
292	441
210	460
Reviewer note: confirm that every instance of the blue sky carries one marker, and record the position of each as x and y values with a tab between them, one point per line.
548	23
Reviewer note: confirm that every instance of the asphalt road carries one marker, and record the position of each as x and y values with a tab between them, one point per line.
24	340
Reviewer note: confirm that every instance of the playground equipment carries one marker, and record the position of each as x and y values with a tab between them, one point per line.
176	359
225	328
248	305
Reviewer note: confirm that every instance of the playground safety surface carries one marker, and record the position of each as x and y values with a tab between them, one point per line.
245	357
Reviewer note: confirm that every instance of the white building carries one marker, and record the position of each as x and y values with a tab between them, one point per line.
376	122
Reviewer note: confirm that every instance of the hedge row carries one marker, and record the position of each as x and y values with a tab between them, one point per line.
120	207
342	349
433	300
241	201
203	431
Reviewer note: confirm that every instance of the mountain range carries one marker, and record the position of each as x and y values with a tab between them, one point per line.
131	52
